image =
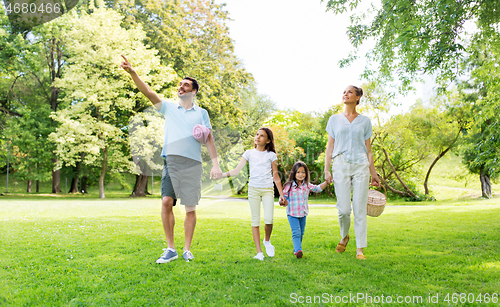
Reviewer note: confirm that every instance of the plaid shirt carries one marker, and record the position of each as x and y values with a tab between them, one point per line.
297	198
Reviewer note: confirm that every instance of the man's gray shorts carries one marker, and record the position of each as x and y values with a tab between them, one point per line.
181	178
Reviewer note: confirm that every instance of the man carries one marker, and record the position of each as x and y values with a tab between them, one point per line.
182	171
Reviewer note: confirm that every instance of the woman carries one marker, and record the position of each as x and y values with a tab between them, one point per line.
350	149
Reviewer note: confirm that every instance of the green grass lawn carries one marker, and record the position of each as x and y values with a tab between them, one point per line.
91	252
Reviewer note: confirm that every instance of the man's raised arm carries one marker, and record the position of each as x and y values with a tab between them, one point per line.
143	87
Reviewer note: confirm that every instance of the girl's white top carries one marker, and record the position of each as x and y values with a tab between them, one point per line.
260	167
350	137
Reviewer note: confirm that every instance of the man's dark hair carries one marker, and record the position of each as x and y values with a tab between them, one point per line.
195	83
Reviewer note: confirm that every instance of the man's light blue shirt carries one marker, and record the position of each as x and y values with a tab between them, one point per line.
350	137
179	124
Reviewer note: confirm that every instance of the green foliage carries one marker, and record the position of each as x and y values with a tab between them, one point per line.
192	37
95	102
287	151
407	139
146	131
376	102
414	37
101	95
406	150
480	106
289	119
30	150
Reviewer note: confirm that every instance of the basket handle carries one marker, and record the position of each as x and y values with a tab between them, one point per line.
385	191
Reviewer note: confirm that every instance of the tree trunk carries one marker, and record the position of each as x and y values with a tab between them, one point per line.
74	185
56	180
485	184
103	172
439	157
140	187
393	190
29	186
74	181
54	60
410	192
84	185
146	187
430	169
37	182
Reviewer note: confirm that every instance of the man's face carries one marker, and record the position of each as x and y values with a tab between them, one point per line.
186	89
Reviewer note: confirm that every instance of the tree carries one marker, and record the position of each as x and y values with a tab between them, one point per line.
46	61
441	130
304	138
11	47
430	37
415	37
101	95
192	37
36	59
287	152
400	143
233	140
398	152
31	153
479	107
24	87
146	138
396	147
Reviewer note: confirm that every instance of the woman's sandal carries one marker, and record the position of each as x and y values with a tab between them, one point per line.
360	257
341	247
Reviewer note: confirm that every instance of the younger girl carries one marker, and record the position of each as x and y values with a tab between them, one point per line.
297	192
263	171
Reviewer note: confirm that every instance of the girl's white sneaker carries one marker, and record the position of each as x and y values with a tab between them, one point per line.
269	248
259	256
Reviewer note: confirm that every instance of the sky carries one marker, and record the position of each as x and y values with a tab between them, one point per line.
292	48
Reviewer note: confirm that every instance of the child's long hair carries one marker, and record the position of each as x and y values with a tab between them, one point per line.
295	168
270	145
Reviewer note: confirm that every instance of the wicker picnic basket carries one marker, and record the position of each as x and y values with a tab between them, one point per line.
376	202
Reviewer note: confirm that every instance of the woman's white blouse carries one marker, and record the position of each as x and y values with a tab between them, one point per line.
350	137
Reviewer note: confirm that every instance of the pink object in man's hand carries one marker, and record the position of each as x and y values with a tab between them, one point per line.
201	133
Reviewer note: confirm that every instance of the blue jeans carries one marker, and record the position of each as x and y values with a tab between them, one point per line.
298	225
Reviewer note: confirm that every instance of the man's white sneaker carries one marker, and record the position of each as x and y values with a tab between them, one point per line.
259	256
269	248
167	256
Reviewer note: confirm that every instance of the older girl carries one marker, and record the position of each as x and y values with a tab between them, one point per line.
263	171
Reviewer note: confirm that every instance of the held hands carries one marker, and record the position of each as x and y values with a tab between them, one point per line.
283	201
126	65
216	173
328	177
